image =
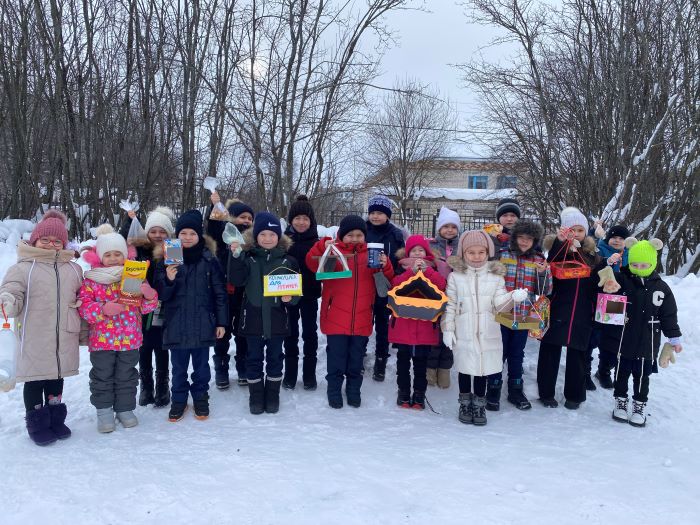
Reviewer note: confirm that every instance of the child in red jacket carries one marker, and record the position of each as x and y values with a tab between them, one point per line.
346	309
414	338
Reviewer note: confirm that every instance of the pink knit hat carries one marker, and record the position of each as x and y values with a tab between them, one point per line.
52	224
419	240
476	238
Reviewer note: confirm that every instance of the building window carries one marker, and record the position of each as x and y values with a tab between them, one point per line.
507	181
478	182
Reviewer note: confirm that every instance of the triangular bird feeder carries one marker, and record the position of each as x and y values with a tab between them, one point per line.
417	298
327	265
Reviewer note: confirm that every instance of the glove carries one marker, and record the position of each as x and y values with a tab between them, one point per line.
7	299
519	295
147	291
606	274
600	232
667	355
449	339
113	308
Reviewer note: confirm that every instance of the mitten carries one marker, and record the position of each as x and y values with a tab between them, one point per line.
113	308
667	355
449	339
611	286
519	295
606	274
7	299
147	291
600	232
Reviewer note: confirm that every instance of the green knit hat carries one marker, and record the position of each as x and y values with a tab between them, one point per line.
643	252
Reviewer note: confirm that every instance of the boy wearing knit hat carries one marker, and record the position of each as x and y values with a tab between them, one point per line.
193	296
265	320
346	309
476	291
303	232
508	213
241	216
40	290
651	310
380	230
571	319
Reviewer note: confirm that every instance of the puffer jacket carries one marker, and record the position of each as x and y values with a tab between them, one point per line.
45	286
475	296
347	304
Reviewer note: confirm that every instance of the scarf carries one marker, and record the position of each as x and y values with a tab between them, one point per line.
408	262
105	275
194	254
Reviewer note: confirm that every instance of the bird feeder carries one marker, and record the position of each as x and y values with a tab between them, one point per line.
610	309
328	264
574	268
417	298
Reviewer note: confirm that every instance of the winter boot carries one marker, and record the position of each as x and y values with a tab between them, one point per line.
256	390
604	378
58	420
549	402
404	399
242	381
291	373
431	374
272	395
146	388
637	418
335	402
177	411
222	380
516	395
571	405
493	395
590	385
309	373
201	407
443	377
479	411
620	413
418	401
162	398
127	419
39	426
105	420
379	369
466	409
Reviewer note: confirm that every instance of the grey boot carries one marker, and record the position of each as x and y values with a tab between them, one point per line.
466	409
479	411
127	419
105	420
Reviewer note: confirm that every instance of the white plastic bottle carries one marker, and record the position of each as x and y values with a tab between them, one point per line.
9	354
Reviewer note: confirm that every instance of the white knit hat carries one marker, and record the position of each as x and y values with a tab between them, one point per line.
161	217
571	217
447	216
109	241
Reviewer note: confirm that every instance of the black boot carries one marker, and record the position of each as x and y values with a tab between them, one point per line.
418	401
404	399
39	426
604	378
162	398
590	385
221	378
309	373
516	394
146	388
58	420
201	407
379	369
291	372
272	395
493	395
257	396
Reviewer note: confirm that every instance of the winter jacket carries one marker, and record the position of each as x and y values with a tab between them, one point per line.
474	298
443	249
195	303
45	284
388	235
115	332
347	304
301	245
521	272
262	316
572	300
413	332
605	251
651	310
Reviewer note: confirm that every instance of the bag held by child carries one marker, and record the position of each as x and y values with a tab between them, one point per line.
133	276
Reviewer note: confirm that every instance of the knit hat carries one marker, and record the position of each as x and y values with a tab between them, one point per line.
476	238
301	206
109	241
265	220
236	208
571	217
643	252
380	203
617	231
418	240
447	216
191	219
52	224
350	223
507	206
161	217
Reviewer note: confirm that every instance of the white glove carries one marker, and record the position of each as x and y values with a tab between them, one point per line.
600	232
519	295
7	299
449	339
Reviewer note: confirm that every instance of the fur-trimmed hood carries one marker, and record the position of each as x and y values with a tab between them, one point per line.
460	265
209	244
526	227
284	243
587	246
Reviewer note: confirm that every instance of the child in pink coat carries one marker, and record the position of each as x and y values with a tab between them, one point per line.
414	338
115	331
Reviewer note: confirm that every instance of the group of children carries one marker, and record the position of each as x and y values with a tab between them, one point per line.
217	293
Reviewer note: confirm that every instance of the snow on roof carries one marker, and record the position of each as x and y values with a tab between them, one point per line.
460	194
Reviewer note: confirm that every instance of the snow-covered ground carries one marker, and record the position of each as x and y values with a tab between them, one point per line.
377	464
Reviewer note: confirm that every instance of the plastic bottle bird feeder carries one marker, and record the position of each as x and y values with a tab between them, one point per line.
417	298
611	309
328	265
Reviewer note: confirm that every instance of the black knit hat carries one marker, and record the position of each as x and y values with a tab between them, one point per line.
191	219
350	223
267	221
507	206
301	206
617	231
236	208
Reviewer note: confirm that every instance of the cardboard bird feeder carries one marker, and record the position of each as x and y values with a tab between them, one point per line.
417	298
543	307
573	268
610	309
328	264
